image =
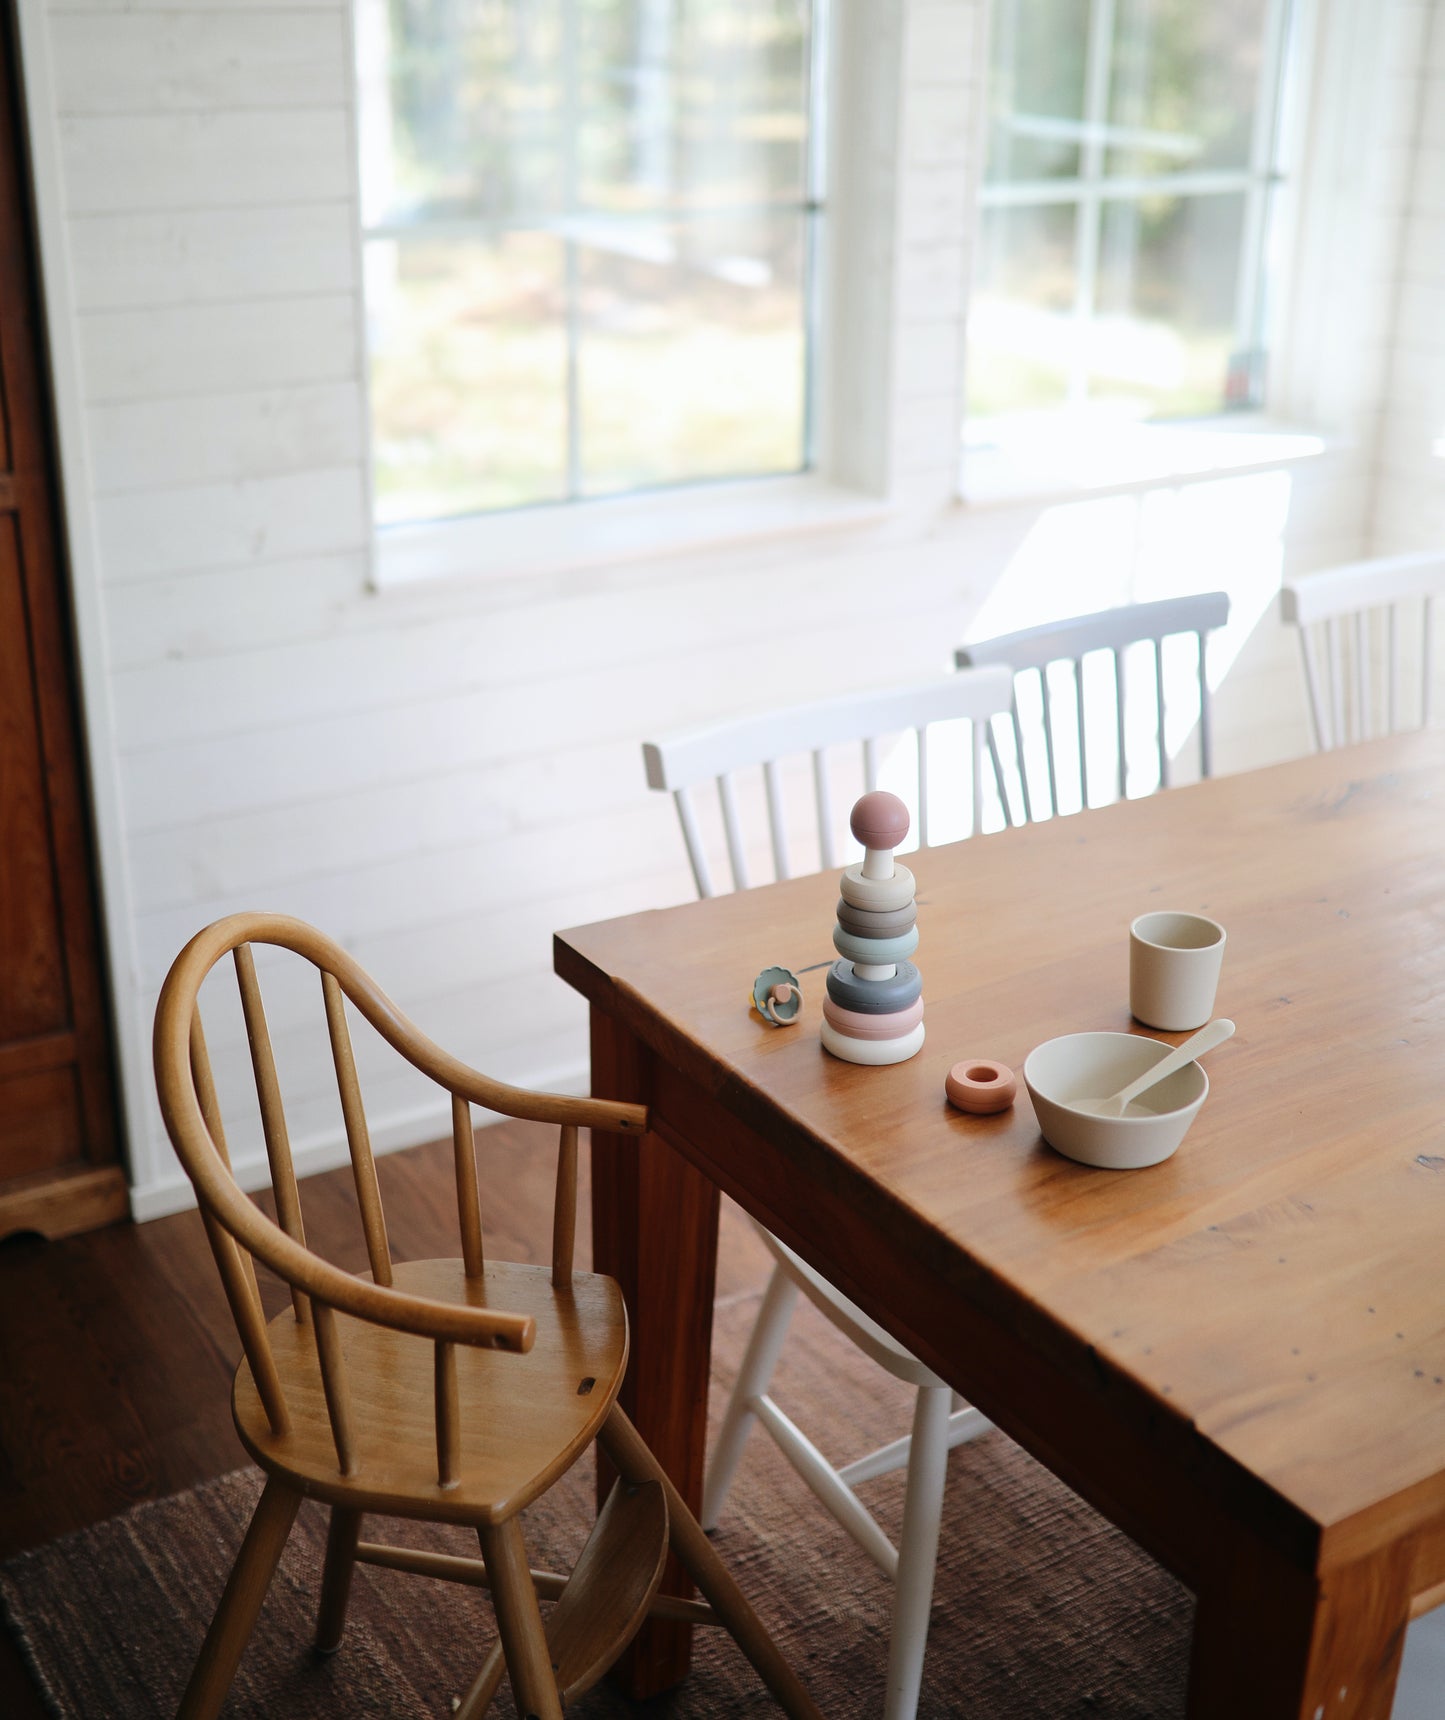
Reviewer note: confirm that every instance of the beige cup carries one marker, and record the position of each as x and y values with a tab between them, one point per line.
1174	962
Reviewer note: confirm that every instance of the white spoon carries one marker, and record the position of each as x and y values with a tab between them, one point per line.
1117	1104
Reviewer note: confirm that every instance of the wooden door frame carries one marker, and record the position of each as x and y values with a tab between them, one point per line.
79	565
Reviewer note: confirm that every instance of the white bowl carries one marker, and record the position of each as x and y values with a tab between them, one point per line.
1060	1073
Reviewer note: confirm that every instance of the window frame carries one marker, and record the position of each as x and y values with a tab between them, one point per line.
576	530
1092	187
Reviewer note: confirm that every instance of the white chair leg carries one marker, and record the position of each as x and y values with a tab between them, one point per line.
918	1551
753	1380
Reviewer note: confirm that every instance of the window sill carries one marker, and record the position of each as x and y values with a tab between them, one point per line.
534	541
1061	459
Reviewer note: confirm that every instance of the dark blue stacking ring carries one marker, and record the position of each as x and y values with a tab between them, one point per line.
874	996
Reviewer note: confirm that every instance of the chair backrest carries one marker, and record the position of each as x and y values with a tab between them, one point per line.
717	753
1352	621
240	1233
1105	636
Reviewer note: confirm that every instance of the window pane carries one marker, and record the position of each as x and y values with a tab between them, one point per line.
587	231
463	113
468	375
691	352
1036	89
692	107
1163	331
1021	326
1184	84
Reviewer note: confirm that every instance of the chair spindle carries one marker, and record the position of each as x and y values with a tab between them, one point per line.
922	733
469	1201
1082	732
1158	645
564	1210
448	1415
1427	653
1121	745
777	820
733	830
363	1164
273	1115
822	801
1206	719
692	838
1363	713
234	1263
335	1385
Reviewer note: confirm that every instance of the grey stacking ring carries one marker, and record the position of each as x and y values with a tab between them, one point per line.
874	996
866	923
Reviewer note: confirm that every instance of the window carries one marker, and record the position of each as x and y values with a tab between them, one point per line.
588	231
1125	214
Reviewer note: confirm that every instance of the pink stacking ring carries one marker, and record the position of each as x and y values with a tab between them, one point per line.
980	1085
859	1026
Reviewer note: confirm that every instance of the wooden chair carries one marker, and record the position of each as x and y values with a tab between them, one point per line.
714	756
1107	636
1351	620
940	1421
454	1390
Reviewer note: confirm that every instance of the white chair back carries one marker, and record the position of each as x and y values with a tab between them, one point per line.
1354	623
1032	652
688	762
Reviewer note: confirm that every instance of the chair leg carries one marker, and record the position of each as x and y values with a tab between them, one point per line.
634	1461
754	1377
245	1591
918	1551
529	1663
341	1541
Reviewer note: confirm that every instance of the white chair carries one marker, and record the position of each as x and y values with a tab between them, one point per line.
940	1421
1351	620
1104	637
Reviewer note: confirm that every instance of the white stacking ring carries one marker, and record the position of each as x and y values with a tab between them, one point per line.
874	952
879	895
874	1051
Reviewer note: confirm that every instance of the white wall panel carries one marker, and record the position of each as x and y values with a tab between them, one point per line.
135	61
135	354
164	444
218	525
189	161
194	257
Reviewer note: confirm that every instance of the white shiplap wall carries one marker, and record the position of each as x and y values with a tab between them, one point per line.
441	775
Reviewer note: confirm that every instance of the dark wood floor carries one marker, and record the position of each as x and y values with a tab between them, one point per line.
117	1348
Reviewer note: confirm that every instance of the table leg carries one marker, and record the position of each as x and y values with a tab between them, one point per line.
654	1229
1273	1641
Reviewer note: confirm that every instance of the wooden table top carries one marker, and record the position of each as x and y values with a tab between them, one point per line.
1278	1286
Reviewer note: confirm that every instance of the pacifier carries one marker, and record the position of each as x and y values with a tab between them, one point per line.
777	995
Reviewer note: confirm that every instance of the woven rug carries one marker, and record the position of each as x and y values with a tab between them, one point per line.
1041	1608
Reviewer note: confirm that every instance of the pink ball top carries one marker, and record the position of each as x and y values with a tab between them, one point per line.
880	820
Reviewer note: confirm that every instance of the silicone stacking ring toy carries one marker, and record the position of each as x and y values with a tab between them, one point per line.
777	995
877	895
874	996
981	1086
874	951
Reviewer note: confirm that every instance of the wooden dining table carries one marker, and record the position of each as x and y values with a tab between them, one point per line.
1237	1355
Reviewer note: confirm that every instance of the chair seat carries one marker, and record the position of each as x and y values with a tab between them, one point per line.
526	1418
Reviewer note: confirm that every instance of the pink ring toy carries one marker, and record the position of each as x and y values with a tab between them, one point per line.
857	1025
980	1085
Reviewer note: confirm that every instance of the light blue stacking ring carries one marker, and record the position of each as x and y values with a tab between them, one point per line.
874	951
874	996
